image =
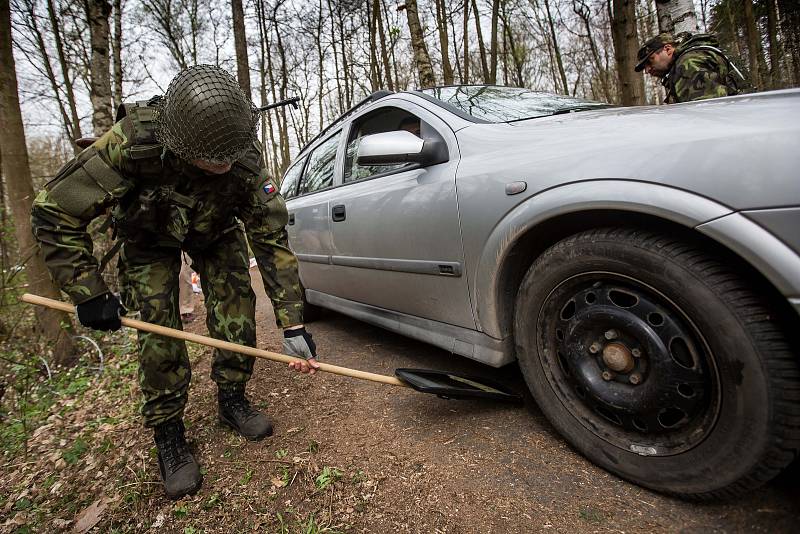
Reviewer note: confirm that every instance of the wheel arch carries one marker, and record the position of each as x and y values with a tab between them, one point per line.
543	220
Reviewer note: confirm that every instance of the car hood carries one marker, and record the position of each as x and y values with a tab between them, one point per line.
741	151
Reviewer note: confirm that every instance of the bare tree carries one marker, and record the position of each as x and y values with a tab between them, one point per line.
481	44
116	51
676	16
626	44
240	45
16	171
775	52
754	51
97	14
493	43
556	49
376	8
421	57
444	41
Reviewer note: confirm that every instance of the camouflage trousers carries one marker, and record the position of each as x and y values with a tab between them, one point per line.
149	280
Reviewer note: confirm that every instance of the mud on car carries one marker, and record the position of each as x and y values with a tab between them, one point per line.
642	265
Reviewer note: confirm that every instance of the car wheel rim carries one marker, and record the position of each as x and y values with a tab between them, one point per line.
628	363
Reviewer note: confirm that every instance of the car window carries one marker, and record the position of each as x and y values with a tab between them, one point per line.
321	161
290	179
386	119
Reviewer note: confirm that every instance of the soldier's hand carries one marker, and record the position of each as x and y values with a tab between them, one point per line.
298	342
101	313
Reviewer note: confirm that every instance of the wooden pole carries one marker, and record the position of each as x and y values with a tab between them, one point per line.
218	344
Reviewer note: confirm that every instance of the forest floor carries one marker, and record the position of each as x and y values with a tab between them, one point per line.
347	456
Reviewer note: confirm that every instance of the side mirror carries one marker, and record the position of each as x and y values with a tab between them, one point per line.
392	148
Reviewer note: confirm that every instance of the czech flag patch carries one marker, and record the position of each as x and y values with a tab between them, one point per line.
269	188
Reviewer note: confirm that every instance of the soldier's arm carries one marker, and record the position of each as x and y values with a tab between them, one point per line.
81	191
265	219
699	76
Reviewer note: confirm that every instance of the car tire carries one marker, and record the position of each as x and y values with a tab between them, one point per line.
660	362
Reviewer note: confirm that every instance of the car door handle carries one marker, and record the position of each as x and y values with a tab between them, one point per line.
338	213
291	218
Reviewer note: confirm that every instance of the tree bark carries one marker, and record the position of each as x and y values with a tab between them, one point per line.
384	51
626	44
583	11
754	53
240	45
421	56
676	16
465	45
556	49
116	50
481	44
775	76
493	43
20	195
73	126
444	41
97	13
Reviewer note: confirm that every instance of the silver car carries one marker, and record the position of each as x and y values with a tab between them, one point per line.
642	265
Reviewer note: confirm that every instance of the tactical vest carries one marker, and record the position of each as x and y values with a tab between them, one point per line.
733	78
153	211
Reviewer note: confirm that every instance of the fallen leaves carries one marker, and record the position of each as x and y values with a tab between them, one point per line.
92	514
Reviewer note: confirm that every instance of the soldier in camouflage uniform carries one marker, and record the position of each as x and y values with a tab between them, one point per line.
691	67
182	172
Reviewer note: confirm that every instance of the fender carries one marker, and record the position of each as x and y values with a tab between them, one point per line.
771	257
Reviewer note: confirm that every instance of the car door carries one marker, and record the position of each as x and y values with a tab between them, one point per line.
396	234
310	182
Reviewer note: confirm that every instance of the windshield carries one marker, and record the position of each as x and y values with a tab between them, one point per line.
505	104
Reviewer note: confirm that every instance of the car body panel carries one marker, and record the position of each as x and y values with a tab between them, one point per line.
391	240
697	165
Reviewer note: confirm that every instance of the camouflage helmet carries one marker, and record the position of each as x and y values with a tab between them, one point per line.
204	114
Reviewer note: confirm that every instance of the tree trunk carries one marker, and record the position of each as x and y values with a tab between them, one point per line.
481	44
753	46
240	45
384	49
444	40
775	77
583	11
374	69
116	48
465	45
556	49
20	197
626	44
421	56
493	42
676	16
32	27
790	25
97	13
73	126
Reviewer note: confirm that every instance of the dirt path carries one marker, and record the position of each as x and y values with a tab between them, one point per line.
473	466
350	456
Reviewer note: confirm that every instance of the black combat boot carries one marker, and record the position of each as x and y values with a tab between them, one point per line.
235	411
179	472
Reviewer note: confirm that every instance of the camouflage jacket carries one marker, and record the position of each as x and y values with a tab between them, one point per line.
699	71
160	200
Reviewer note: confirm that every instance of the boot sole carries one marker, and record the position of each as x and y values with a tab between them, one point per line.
230	425
176	496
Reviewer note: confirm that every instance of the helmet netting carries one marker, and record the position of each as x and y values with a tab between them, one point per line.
204	114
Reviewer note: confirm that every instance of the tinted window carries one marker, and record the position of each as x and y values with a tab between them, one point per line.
502	104
321	161
290	179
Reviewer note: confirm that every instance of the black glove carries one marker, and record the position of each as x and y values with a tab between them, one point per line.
298	343
101	313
